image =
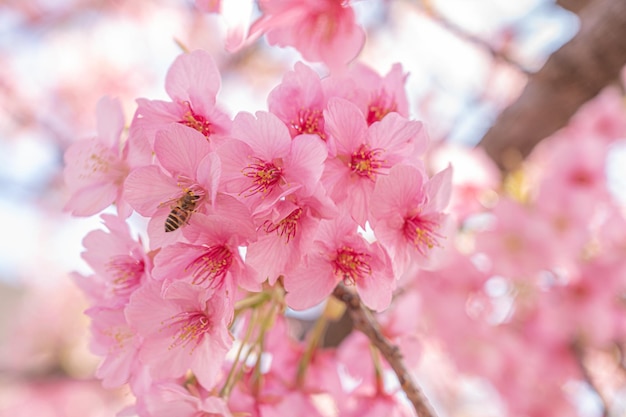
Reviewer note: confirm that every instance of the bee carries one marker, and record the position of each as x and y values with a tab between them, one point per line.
181	212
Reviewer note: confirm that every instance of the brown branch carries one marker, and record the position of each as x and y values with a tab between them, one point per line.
571	76
574	6
367	324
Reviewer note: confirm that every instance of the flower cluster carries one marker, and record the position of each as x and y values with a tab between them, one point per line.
536	290
250	216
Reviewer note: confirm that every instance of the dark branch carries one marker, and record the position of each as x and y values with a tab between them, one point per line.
364	322
572	75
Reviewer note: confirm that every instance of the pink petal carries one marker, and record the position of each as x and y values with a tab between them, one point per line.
208	175
439	189
299	88
180	149
194	77
88	162
345	45
171	261
91	200
152	116
206	365
309	285
395	134
148	188
306	162
237	15
358	202
398	192
346	125
146	309
266	134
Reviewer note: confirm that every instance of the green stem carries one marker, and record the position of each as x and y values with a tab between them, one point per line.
230	381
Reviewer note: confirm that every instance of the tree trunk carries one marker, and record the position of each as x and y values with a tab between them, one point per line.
571	76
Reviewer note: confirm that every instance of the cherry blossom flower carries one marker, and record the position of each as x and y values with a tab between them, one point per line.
379	96
192	83
117	343
119	262
185	328
261	164
321	30
519	243
407	211
95	169
299	101
286	232
364	154
339	254
188	184
212	260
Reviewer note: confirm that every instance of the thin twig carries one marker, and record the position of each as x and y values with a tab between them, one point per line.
367	324
468	37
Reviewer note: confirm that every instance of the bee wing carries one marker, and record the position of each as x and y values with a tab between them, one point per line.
171	203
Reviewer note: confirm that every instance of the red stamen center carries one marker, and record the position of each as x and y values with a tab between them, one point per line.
264	175
212	266
196	121
190	328
309	121
351	265
287	227
422	232
366	162
379	107
126	272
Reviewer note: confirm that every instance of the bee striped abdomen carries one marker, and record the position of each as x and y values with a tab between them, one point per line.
181	213
177	217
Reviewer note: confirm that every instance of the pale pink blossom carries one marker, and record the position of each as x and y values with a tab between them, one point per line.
519	243
574	169
604	117
299	101
261	164
212	259
119	262
117	343
364	154
286	232
189	172
95	169
339	254
321	30
184	328
375	96
192	83
408	213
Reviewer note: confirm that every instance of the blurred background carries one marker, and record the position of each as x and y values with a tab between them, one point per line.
467	60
